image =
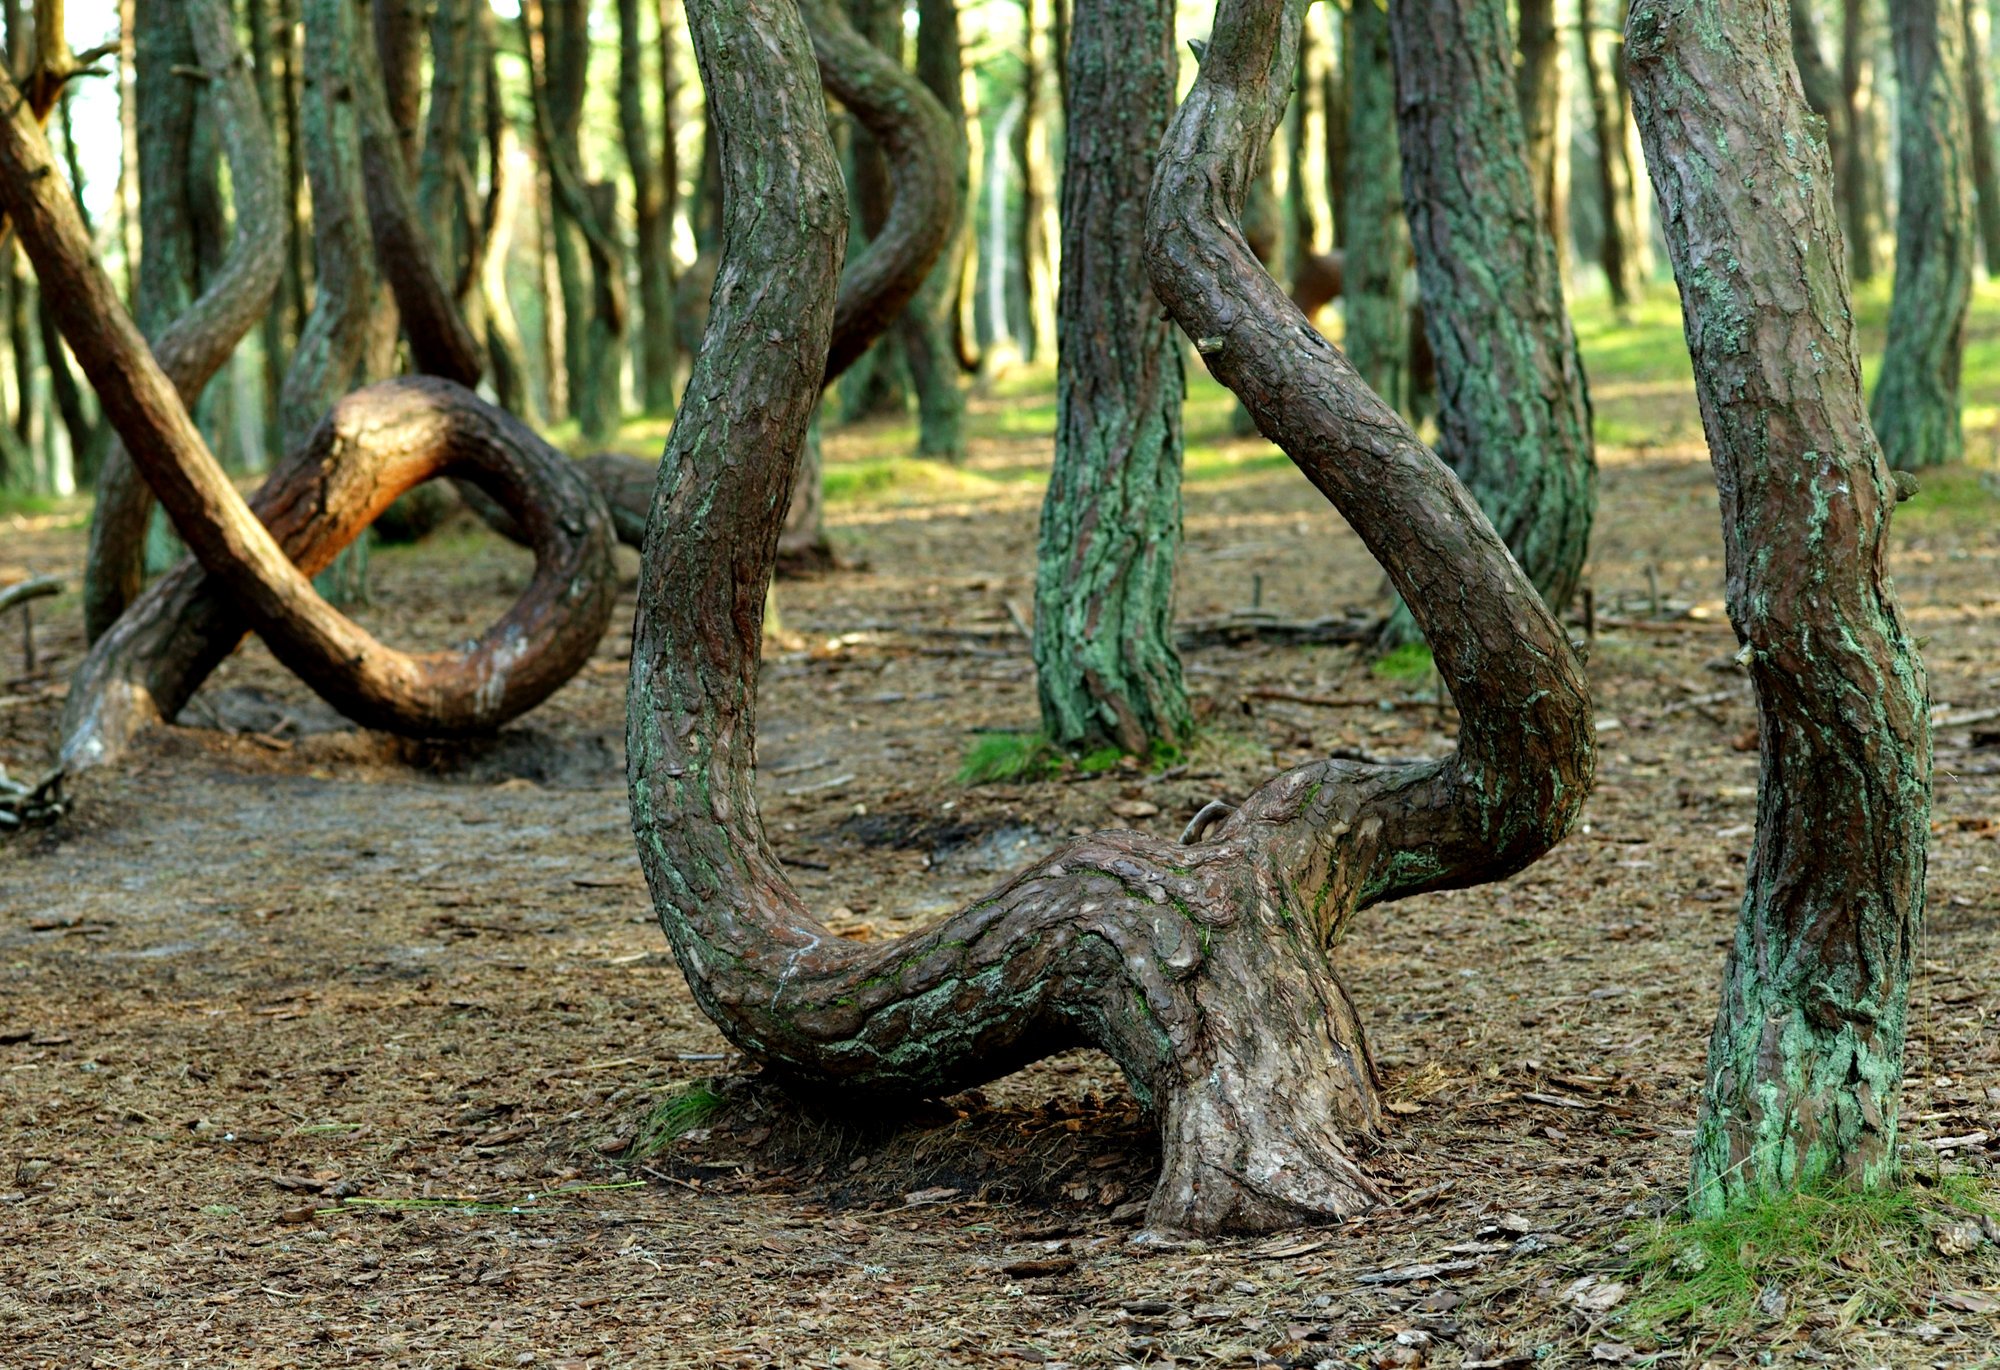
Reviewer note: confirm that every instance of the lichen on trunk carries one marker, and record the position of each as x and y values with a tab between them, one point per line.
1201	969
1106	669
1805	1063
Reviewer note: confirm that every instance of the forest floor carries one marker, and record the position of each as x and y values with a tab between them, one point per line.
318	1048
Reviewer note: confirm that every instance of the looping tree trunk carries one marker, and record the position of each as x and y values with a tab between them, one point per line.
194	345
918	144
1200	969
374	445
510	669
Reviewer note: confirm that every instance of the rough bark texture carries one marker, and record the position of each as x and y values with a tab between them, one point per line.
652	231
1979	110
1373	234
1915	408
514	666
1806	1061
1540	90
929	342
1513	416
1201	970
190	340
1106	669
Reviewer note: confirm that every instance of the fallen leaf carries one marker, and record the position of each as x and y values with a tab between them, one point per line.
1594	1297
1135	808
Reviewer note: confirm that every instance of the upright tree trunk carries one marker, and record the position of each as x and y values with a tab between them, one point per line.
1541	86
877	383
1106	670
1514	418
399	34
652	230
268	69
928	326
1821	83
1373	232
1036	235
1806	1063
1915	408
1334	119
1618	239
1858	177
1979	108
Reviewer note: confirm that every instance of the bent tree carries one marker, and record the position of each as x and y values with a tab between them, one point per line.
1806	1061
1105	665
1916	410
1513	418
1201	969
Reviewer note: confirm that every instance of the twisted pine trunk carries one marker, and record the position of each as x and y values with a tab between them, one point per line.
1514	418
1106	669
1915	408
1805	1064
1202	969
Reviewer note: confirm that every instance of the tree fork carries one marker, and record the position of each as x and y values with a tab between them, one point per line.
1201	969
1805	1064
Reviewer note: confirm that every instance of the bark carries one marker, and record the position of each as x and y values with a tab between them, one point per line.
877	383
1915	408
1106	669
1373	234
928	325
1858	176
454	215
917	141
1805	1064
1818	79
399	29
267	70
1514	421
1335	116
1979	107
652	228
1034	233
344	480
1201	969
191	341
1619	236
1539	86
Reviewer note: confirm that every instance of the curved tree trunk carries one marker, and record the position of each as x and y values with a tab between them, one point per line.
191	341
1514	418
510	669
1915	408
1201	969
1805	1065
1106	669
1373	234
927	327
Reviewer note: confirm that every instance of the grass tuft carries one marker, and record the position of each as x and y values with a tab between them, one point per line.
1409	662
673	1119
1009	758
1866	1254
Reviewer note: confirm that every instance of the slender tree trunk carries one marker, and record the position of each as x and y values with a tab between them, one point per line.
1200	969
1806	1062
1858	176
1338	120
927	328
1915	408
267	69
653	229
1037	234
1106	669
877	383
1514	419
1541	84
1979	107
399	34
666	14
1376	241
1618	246
1818	78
